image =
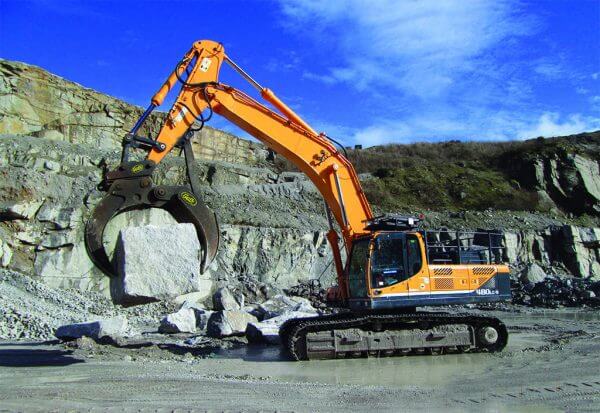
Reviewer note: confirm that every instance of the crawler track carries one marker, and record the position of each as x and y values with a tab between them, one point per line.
355	335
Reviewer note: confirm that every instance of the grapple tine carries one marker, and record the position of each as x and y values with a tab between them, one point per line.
108	207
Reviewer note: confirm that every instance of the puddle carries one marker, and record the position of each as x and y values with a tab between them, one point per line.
387	371
557	315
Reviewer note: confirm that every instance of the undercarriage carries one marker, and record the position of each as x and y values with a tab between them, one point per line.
382	335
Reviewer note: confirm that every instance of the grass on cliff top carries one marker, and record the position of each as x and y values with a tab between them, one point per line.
495	154
446	186
456	175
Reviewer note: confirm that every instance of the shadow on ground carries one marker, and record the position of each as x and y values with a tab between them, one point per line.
36	358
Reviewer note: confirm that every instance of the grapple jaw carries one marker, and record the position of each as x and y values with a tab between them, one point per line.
130	187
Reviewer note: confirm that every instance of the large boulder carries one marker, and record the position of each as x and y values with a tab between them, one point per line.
281	304
229	323
156	263
183	321
109	330
267	331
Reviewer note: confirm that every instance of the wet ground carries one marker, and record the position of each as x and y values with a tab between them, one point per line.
551	363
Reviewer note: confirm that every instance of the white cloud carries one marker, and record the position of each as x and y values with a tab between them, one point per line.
595	102
550	71
436	69
550	124
483	126
421	48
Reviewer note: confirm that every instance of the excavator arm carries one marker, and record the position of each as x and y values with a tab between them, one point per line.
285	132
282	131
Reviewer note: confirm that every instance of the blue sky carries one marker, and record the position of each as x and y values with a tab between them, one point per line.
368	72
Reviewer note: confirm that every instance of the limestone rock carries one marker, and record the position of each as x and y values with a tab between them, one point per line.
5	253
223	299
281	304
156	263
82	115
107	330
183	321
59	215
581	250
195	298
229	323
571	181
533	274
281	257
201	313
19	210
267	331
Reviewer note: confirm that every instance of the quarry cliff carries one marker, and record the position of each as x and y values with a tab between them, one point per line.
59	137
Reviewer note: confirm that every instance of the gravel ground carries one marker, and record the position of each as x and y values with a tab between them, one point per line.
550	364
32	310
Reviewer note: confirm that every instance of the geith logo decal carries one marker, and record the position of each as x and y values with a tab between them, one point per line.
188	198
137	168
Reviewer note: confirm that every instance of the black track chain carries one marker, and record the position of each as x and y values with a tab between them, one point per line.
293	333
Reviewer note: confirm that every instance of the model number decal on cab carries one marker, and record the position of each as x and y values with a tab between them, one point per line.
486	291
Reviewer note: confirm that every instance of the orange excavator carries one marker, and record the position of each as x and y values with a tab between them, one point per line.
393	265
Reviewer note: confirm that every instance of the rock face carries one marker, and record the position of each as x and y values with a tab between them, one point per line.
107	330
281	257
568	180
574	249
43	213
157	263
34	102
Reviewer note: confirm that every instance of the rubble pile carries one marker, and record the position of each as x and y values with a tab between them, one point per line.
33	310
313	291
554	292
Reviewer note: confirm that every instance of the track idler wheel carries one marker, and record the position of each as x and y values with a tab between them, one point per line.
132	188
492	337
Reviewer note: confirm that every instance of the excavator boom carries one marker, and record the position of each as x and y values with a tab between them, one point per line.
282	130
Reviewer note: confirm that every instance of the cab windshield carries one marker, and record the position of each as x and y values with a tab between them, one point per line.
387	260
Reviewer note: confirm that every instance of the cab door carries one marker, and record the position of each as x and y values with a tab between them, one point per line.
357	268
418	270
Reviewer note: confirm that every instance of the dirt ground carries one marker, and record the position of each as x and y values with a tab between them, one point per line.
550	364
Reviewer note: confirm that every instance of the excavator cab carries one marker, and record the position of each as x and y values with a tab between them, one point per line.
392	270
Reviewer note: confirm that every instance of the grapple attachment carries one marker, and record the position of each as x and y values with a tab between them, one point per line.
130	187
